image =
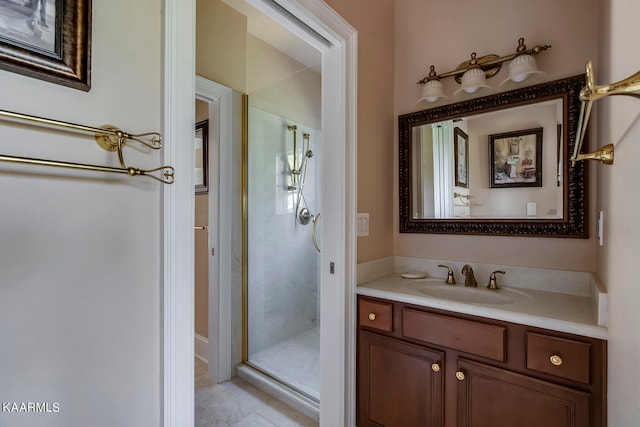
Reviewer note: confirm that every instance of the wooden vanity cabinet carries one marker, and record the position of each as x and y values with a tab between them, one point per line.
401	383
426	367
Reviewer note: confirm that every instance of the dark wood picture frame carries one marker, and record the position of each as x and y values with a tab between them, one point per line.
55	48
461	157
515	159
201	157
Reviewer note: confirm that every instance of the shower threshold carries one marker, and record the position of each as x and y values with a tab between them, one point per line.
289	368
295	398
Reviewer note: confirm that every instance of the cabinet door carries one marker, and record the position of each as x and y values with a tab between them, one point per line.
490	397
399	384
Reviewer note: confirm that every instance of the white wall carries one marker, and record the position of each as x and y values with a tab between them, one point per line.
80	252
617	120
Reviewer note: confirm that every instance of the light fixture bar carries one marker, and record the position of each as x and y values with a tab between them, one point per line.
490	64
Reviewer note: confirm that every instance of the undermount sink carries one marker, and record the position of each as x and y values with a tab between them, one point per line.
461	293
473	295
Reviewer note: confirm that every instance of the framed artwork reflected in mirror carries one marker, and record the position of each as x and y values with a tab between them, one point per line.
515	159
461	151
200	151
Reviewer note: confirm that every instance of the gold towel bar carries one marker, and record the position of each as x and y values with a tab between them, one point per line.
150	139
166	177
108	137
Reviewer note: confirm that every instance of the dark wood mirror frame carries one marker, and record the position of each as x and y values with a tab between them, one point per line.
574	219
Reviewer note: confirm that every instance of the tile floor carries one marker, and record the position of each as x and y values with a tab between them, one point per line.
236	403
295	362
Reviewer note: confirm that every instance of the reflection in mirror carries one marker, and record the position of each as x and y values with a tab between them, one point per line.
453	181
494	165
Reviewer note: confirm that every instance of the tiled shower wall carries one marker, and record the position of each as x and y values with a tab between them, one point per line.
282	261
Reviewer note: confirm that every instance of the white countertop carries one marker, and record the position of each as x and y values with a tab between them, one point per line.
573	314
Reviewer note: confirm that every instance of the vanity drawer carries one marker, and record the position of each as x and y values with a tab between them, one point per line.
558	356
468	336
377	315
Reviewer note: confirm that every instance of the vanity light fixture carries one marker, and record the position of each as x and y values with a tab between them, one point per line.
473	74
629	86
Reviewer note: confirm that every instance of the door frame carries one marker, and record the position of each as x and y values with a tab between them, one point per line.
338	259
178	199
219	99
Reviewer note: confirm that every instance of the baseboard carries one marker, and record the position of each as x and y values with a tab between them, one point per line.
201	347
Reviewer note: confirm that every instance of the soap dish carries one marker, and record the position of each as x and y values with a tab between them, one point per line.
413	275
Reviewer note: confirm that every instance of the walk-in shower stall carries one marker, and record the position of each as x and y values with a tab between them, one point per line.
282	196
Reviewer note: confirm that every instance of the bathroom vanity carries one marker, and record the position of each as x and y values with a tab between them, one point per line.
513	360
529	354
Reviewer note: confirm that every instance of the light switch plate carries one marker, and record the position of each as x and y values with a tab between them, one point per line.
531	209
363	224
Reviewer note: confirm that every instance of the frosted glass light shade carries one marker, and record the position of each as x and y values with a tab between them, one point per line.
432	91
472	80
521	68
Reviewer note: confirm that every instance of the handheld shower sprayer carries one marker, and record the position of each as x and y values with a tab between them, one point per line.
302	213
298	175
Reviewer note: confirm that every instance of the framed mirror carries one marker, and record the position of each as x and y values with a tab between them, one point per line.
497	165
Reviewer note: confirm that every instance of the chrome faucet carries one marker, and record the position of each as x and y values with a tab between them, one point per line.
470	278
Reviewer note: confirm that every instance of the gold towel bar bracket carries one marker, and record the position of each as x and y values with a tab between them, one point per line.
108	137
590	93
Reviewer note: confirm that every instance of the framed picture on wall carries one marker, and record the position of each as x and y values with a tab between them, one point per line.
515	159
201	150
48	40
461	157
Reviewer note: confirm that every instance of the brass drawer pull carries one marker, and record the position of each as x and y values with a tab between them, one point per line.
460	375
372	316
555	360
435	367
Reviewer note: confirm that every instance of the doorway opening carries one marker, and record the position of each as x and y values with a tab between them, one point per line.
337	260
283	205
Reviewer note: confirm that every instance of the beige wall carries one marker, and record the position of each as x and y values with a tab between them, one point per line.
221	44
404	57
617	119
373	19
221	56
201	253
283	86
444	34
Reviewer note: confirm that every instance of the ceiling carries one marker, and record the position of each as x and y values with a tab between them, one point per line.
266	29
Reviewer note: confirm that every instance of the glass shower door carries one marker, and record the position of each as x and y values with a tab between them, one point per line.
283	206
